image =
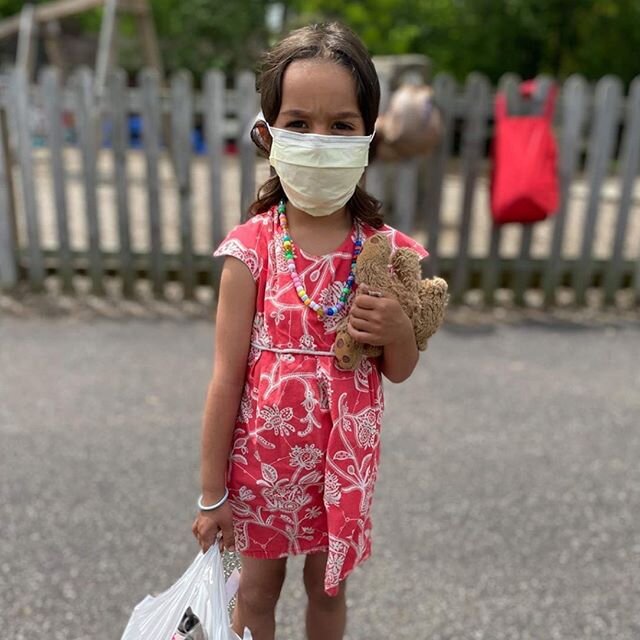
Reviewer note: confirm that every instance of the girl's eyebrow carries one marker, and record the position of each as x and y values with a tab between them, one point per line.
300	113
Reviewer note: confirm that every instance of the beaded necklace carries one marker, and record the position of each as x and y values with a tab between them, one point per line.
289	254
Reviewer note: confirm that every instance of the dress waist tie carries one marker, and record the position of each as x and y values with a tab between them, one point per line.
292	351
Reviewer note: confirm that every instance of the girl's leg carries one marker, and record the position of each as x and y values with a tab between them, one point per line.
326	615
260	584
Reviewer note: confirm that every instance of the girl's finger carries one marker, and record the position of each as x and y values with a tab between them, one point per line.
359	321
358	311
365	301
228	538
369	321
360	324
357	335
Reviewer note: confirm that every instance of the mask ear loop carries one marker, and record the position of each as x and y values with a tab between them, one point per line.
261	137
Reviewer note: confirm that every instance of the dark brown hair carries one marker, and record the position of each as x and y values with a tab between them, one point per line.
335	42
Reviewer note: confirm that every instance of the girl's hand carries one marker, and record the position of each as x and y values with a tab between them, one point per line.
378	321
215	526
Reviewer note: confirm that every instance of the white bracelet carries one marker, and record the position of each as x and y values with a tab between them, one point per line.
211	507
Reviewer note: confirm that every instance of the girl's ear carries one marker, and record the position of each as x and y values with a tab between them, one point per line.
261	137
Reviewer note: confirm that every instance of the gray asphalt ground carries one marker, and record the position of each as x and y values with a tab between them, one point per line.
508	505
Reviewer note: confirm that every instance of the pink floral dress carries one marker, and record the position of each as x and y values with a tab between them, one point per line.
306	444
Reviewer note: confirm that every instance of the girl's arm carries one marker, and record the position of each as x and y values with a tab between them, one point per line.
234	320
382	322
400	358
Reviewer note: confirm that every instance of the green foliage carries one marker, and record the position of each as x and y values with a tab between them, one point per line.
560	37
87	19
194	34
201	34
10	7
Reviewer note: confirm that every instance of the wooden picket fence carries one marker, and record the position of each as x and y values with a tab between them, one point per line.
78	197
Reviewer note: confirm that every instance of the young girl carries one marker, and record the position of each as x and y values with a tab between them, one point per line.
289	438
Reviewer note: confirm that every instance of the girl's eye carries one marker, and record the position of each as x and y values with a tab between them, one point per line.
296	124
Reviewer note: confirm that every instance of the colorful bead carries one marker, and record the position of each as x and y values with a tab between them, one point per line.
288	249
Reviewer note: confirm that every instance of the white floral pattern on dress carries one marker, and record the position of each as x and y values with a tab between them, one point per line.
248	256
246	404
332	489
277	420
337	554
304	458
307	342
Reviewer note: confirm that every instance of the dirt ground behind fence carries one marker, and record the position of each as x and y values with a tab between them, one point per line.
202	224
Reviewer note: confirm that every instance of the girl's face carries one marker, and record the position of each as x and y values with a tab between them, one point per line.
319	96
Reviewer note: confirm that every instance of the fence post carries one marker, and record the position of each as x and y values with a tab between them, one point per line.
628	172
444	87
88	123
27	42
50	89
377	172
477	101
149	81
214	112
181	121
574	111
247	111
607	108
405	193
118	112
20	112
8	231
635	281
214	93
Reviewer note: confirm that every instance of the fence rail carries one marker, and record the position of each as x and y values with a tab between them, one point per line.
143	185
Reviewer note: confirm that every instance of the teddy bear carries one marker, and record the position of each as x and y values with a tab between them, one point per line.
395	275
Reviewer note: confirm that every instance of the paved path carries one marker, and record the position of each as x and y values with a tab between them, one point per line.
508	505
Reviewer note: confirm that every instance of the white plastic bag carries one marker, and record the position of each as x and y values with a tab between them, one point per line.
201	587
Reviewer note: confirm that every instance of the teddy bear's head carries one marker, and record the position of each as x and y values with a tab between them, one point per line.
399	276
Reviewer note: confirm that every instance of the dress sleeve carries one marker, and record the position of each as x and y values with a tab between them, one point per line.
245	242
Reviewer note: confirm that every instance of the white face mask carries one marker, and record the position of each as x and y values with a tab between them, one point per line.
318	173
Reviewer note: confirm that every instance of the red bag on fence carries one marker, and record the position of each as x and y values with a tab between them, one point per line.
524	181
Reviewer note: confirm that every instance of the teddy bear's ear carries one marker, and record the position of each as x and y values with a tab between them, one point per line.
441	285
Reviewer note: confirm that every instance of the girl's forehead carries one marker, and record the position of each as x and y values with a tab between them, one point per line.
318	83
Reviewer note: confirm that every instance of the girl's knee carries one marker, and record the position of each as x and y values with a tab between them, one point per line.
314	586
259	591
258	599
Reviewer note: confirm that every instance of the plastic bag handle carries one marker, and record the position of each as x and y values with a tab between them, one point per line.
231	585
